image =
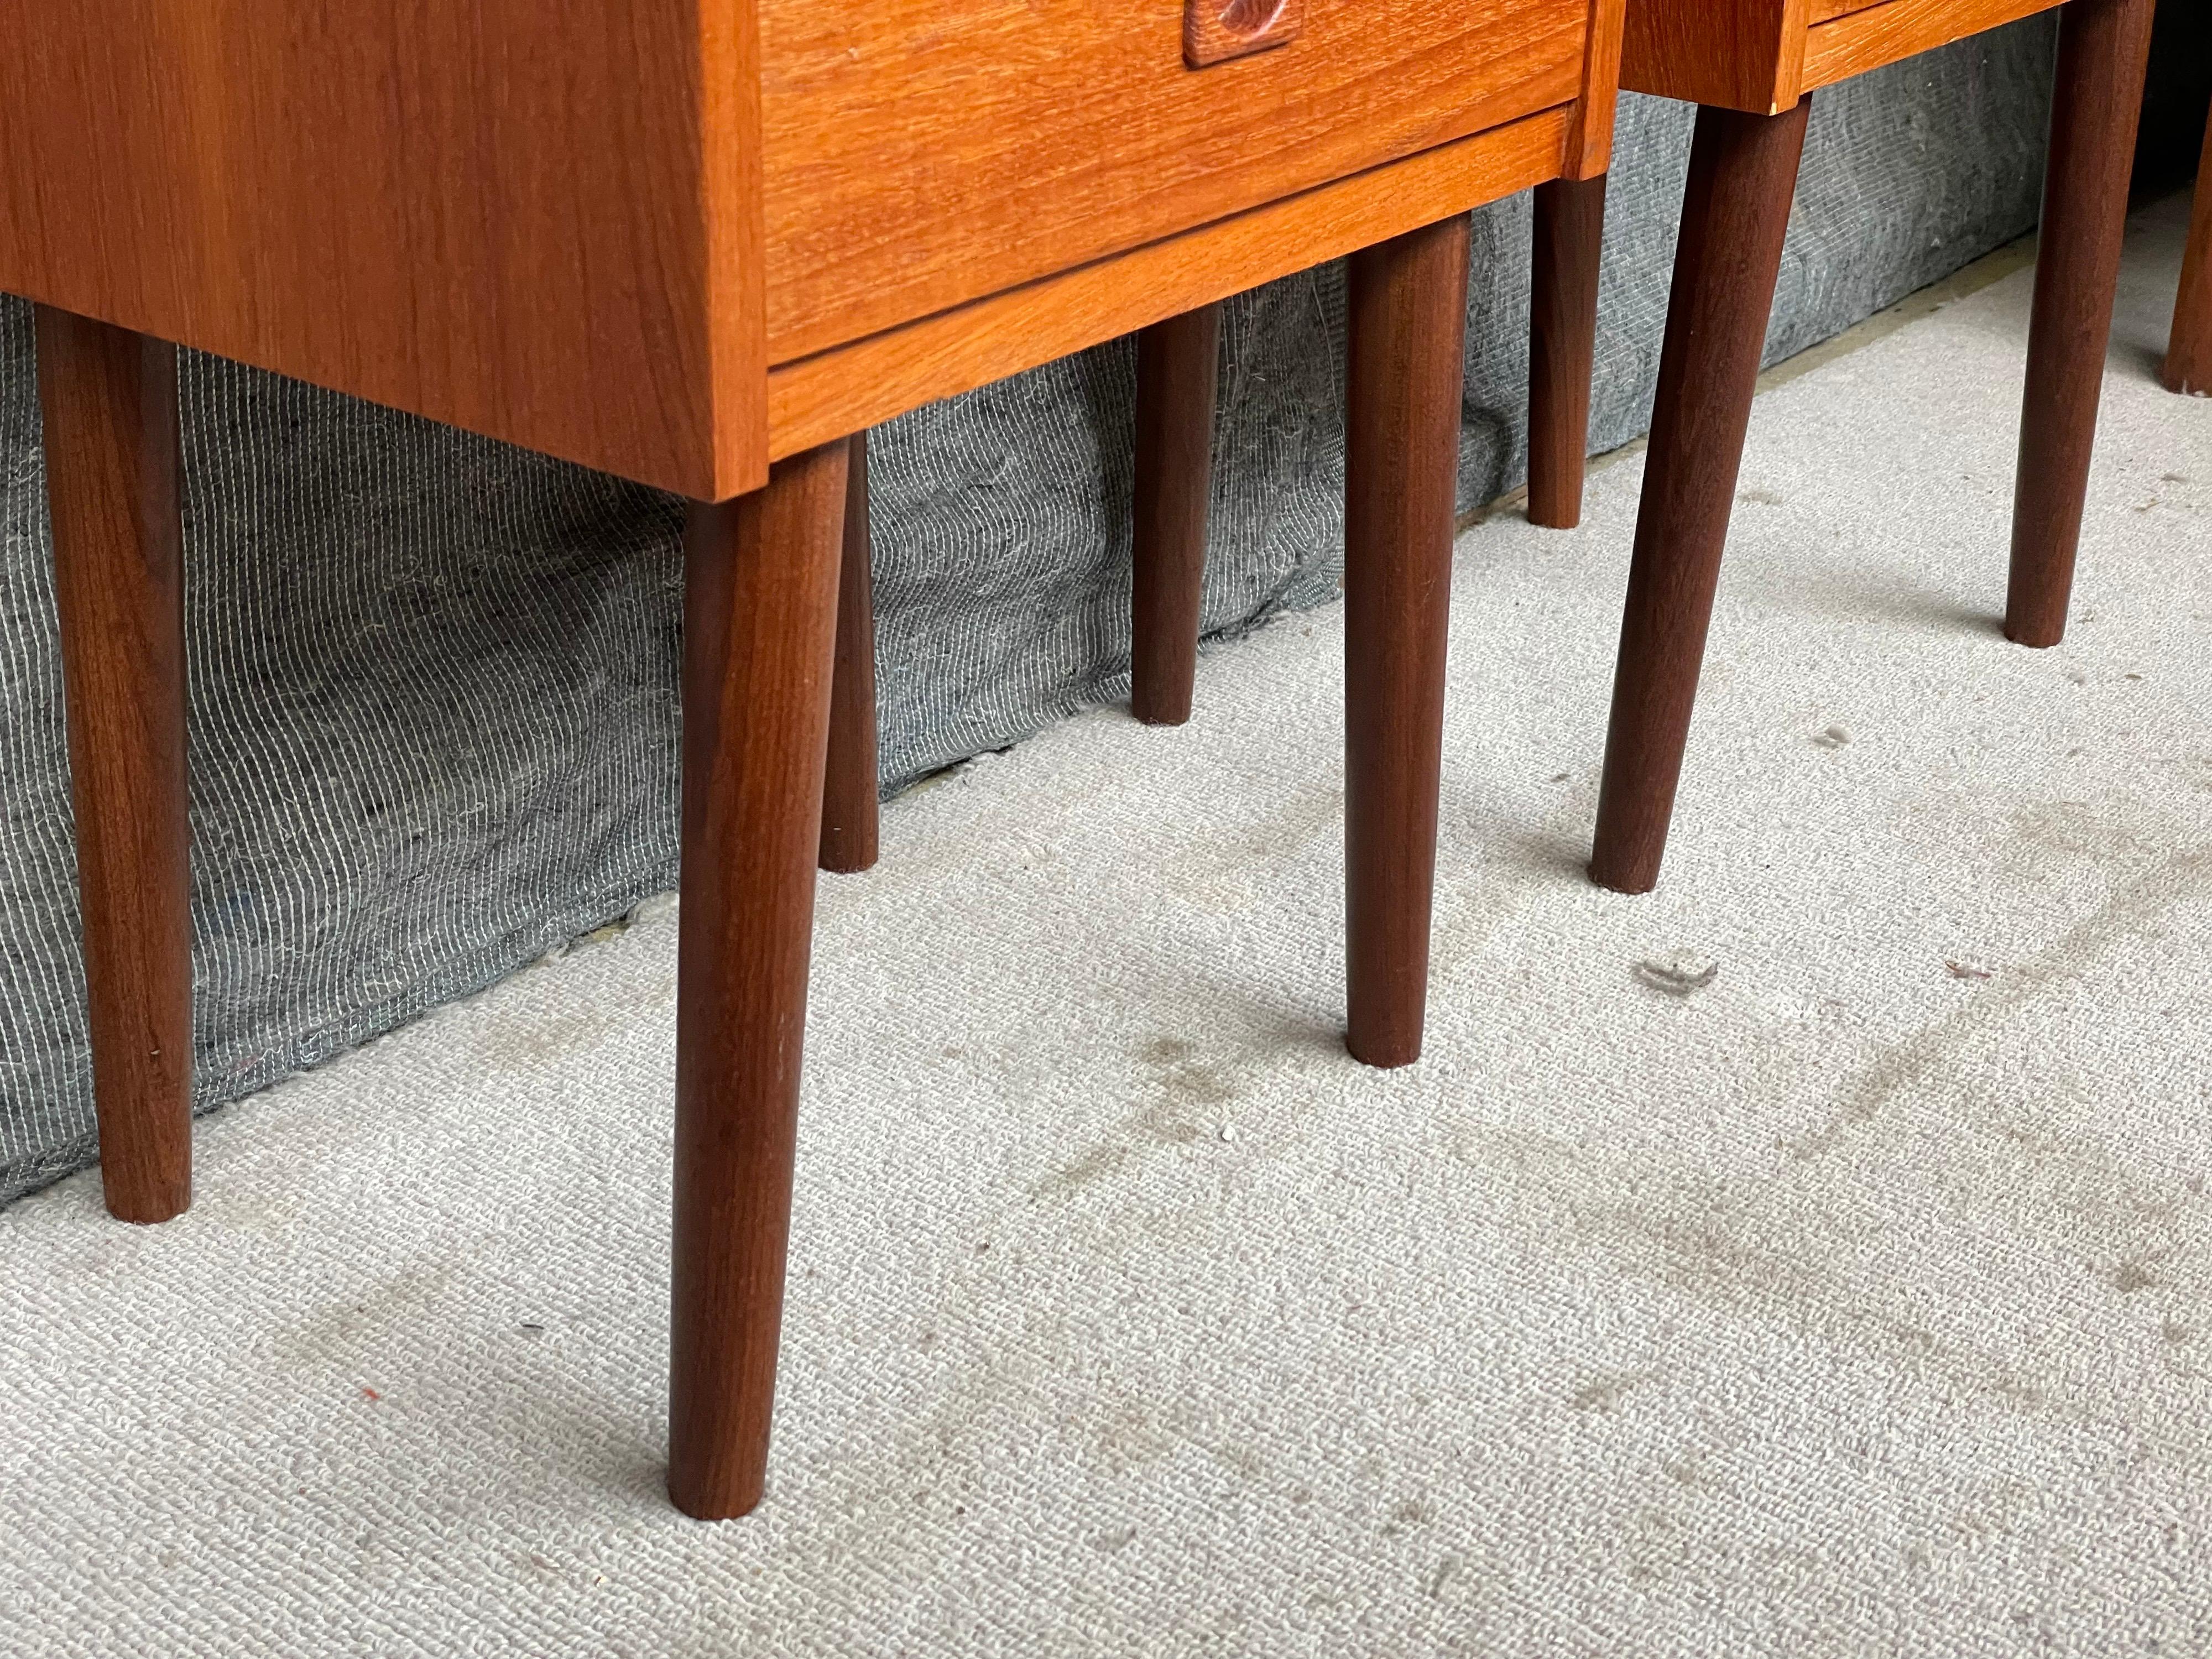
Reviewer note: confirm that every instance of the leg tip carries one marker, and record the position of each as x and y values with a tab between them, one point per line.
708	1505
846	851
2036	637
1383	1053
149	1209
1622	881
148	1218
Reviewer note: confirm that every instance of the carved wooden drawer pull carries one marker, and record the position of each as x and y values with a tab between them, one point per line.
1214	30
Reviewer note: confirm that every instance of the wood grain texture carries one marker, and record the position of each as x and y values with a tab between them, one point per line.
1405	369
537	221
2104	52
1589	141
921	157
1177	364
1736	213
760	618
1570	244
2188	365
114	481
827	396
1870	37
1728	54
852	791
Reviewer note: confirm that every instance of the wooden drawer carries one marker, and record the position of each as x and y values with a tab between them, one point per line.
919	156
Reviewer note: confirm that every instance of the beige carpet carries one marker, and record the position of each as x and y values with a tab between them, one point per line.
1855	1303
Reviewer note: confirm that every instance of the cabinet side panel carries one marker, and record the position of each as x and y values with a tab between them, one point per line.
493	213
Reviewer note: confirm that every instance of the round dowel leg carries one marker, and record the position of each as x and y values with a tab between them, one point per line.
113	478
1176	365
1408	324
760	619
1563	345
2104	52
1736	214
2189	352
851	797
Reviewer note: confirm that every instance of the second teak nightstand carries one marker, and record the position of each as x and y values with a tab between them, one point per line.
1752	67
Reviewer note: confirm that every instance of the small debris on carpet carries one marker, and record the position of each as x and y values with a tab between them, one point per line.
1834	737
1679	974
1966	969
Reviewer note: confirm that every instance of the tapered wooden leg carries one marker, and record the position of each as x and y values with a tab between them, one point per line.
760	622
1563	346
2104	52
2189	352
1408	326
1176	367
1736	213
113	478
851	800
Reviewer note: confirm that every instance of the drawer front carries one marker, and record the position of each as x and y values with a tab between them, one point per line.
919	153
1862	38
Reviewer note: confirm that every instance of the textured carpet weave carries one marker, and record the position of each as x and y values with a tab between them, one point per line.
1848	1298
433	679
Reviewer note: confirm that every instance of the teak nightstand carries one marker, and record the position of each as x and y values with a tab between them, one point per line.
1753	66
701	243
